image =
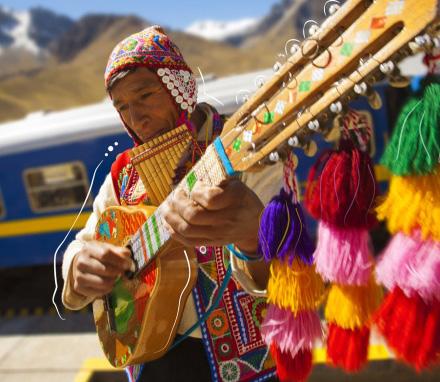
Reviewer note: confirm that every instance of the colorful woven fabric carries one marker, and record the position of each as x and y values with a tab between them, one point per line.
232	337
152	48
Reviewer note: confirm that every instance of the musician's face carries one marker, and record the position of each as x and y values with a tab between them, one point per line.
144	104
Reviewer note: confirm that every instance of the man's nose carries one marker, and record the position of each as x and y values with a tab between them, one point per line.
137	115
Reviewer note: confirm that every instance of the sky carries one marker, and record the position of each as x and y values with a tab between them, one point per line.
172	13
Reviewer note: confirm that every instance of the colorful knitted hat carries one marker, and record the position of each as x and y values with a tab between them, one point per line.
153	49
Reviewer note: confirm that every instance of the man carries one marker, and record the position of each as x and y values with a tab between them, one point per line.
154	91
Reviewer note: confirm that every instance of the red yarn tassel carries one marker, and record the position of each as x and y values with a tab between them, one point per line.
411	327
341	188
312	197
347	348
290	369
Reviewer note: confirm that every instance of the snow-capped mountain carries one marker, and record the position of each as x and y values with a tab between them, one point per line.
32	30
222	30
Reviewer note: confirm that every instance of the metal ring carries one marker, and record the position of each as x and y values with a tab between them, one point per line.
304	26
296	83
285	45
267	109
312	56
329	1
328	62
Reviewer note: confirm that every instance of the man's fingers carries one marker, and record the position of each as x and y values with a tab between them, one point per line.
99	268
110	255
196	214
217	198
175	224
86	281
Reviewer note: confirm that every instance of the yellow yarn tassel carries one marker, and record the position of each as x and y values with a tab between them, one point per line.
350	306
297	287
413	202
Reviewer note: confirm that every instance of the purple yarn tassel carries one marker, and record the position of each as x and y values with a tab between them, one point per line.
283	232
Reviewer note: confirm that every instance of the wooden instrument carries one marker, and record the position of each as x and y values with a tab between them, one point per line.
355	47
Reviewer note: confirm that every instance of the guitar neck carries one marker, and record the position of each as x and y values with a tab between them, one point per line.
213	168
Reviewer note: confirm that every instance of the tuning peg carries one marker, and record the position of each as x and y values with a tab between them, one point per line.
387	67
373	96
336	107
313	30
277	66
395	78
293	141
422	43
333	8
313	125
361	88
274	157
294	48
260	82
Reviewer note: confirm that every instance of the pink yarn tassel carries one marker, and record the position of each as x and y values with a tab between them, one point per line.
291	333
343	255
413	265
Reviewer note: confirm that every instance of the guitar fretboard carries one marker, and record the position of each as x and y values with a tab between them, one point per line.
152	236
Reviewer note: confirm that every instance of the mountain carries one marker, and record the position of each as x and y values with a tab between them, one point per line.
74	73
31	30
25	37
285	21
82	33
49	62
222	30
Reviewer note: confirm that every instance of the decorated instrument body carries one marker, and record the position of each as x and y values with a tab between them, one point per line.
139	319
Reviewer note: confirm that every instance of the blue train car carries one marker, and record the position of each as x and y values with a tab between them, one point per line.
47	162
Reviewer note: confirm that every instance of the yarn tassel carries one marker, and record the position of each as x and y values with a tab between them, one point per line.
351	307
290	332
348	348
345	190
296	369
412	265
341	192
294	289
414	147
343	255
282	231
413	202
312	195
297	287
348	311
411	327
409	318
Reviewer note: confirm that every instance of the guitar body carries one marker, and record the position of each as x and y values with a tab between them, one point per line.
138	320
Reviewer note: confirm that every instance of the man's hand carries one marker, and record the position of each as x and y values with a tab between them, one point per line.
96	267
215	216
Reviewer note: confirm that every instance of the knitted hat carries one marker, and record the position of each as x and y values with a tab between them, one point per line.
153	49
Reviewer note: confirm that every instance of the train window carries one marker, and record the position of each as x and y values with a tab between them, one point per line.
56	187
2	206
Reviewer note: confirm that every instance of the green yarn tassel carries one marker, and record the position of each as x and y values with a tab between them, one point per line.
414	147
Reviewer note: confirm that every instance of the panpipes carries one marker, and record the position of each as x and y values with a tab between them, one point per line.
157	160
